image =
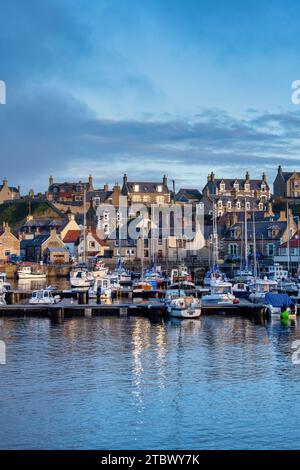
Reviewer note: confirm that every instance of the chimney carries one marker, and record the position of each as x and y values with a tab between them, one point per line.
208	178
125	179
165	180
282	216
106	188
19	189
264	177
247	176
70	215
5	182
51	180
53	232
280	170
90	188
212	176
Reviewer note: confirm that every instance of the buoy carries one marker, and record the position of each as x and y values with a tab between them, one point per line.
284	315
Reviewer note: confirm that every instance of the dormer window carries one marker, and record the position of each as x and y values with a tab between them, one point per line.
220	204
236	186
228	204
136	188
247	187
159	188
248	205
238	205
222	187
263	187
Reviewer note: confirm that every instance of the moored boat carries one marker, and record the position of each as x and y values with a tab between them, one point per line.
26	272
43	297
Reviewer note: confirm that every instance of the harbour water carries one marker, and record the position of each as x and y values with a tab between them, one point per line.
129	383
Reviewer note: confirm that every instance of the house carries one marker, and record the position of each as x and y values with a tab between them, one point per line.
57	255
146	192
71	240
69	225
68	191
7	193
287	184
188	196
289	253
40	226
269	236
35	249
91	245
226	195
9	243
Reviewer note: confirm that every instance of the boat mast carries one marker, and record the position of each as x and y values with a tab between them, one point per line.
84	224
288	234
246	240
254	245
215	254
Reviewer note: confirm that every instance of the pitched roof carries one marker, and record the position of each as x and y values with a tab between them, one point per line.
145	187
262	228
72	236
186	194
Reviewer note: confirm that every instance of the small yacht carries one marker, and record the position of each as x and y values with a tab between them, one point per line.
79	278
26	272
260	288
101	287
212	277
220	293
182	306
241	290
43	297
245	276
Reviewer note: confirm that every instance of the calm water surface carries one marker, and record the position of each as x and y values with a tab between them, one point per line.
121	383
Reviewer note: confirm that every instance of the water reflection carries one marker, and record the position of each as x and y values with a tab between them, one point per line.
118	382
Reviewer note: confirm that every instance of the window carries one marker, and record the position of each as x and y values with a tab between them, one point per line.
146	198
247	205
247	187
228	204
159	189
220	203
270	249
263	187
236	186
232	248
238	205
222	187
92	244
160	199
136	188
97	201
136	199
261	206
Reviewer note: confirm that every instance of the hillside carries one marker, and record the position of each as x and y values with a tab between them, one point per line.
15	212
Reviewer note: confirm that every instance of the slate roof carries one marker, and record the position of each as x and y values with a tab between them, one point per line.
261	230
37	241
144	187
186	195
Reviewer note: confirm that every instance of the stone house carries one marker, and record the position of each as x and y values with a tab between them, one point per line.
7	193
35	249
146	192
287	184
9	243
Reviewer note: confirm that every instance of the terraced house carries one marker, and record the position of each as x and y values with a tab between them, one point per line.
235	194
8	193
287	184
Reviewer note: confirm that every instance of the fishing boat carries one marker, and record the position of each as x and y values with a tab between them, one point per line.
260	288
220	293
182	306
26	272
101	288
43	297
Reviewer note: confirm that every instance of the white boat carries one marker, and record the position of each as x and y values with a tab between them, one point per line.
245	276
212	277
2	299
4	285
43	297
277	272
180	274
25	272
100	270
220	293
184	307
101	287
261	288
80	278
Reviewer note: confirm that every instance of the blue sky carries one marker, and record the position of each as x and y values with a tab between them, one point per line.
180	87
